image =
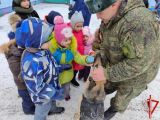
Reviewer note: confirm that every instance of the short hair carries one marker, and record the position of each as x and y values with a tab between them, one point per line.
146	3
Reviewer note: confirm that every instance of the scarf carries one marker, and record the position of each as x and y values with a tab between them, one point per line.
58	55
23	10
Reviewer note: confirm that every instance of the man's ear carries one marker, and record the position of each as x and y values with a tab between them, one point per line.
114	4
117	3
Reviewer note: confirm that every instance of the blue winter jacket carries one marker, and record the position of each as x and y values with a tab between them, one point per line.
40	73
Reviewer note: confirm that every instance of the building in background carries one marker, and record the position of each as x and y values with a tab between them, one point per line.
5	5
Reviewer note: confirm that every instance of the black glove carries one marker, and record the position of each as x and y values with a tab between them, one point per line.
19	24
63	67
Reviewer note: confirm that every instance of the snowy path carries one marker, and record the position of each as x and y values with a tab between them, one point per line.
10	104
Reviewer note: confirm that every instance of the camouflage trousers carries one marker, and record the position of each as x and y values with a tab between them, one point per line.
124	95
91	110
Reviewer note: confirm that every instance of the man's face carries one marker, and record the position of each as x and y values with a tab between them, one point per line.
108	13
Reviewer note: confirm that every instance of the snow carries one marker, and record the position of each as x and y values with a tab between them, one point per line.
10	103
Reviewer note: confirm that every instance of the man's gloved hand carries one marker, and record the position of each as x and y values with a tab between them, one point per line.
89	59
64	67
11	35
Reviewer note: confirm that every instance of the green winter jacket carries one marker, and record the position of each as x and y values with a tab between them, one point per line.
67	75
130	45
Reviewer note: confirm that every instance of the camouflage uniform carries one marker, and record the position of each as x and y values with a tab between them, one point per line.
129	47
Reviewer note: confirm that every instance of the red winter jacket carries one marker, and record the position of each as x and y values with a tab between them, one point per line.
79	37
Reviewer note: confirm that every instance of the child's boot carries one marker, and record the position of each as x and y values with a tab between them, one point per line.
110	113
67	98
75	83
27	104
55	109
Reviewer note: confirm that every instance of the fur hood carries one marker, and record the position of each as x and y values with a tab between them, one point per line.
4	48
14	18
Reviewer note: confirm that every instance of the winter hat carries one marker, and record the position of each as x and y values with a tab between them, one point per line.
32	33
76	18
50	17
18	1
86	31
96	6
61	29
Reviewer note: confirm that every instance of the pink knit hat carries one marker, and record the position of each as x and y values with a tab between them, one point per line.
61	29
86	31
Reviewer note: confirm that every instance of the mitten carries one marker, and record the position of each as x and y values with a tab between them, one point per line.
90	59
11	35
64	67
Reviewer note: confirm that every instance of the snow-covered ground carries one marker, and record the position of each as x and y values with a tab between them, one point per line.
10	103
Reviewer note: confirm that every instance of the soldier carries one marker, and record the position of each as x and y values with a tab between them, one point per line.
128	43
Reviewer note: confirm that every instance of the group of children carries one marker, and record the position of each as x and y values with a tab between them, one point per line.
45	56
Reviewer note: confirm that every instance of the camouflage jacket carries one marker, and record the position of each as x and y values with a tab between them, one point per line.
129	44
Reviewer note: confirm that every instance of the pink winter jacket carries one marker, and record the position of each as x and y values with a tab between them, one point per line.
88	46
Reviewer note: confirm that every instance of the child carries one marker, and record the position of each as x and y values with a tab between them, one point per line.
13	56
50	17
64	49
77	25
24	9
87	40
79	5
38	68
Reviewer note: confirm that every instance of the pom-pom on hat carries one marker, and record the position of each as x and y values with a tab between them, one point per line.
50	17
61	29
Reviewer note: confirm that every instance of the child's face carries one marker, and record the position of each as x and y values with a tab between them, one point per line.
78	26
85	38
66	42
25	4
